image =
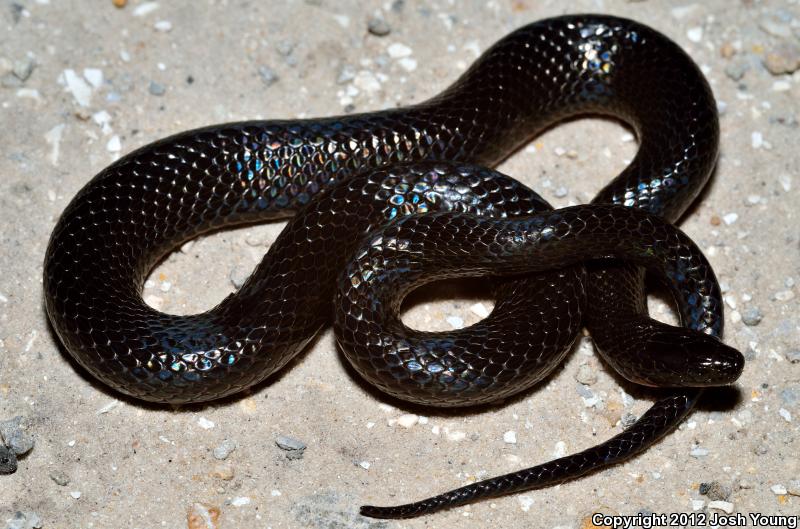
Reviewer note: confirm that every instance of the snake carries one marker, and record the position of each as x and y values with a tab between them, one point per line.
380	203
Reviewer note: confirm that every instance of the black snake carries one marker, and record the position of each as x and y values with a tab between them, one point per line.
413	174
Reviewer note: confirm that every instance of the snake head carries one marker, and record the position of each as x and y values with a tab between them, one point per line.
689	358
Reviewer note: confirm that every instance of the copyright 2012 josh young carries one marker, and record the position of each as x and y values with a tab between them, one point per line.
657	520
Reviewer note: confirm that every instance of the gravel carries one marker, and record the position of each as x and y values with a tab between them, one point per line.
156	89
378	26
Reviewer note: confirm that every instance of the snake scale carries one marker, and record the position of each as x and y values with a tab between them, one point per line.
384	202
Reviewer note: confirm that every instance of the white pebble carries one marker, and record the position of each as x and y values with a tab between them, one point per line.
697	504
80	90
785	181
699	452
163	25
695	34
125	56
205	423
365	465
53	138
154	301
408	64
94	76
455	322
75	494
721	506
145	9
560	449
240	500
456	436
730	301
779	490
398	50
784	295
786	414
342	20
408	420
480	310
423	419
114	144
781	86
367	82
756	140
275	493
525	503
730	218
165	286
560	151
510	437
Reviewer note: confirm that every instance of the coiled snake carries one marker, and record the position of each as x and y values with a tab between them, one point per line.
415	175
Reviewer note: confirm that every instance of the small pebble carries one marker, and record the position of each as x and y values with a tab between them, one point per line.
560	192
775	27
560	449
398	50
163	26
779	490
203	516
456	436
715	491
784	295
408	420
75	494
695	34
205	424
785	414
285	47
793	356
24	520
268	75
378	26
698	504
223	471
294	447
239	501
114	144
145	9
347	72
224	449
455	322
156	89
16	438
239	275
510	437
119	3
735	71
480	310
8	460
586	375
23	68
783	58
699	452
721	506
59	478
756	140
752	316
627	420
794	487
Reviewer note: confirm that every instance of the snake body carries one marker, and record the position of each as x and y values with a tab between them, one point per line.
415	175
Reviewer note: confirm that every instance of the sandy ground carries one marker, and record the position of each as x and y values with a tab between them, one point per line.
147	70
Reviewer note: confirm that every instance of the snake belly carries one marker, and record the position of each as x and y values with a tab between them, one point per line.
136	210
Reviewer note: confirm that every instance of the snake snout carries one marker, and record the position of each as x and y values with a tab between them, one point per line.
696	360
